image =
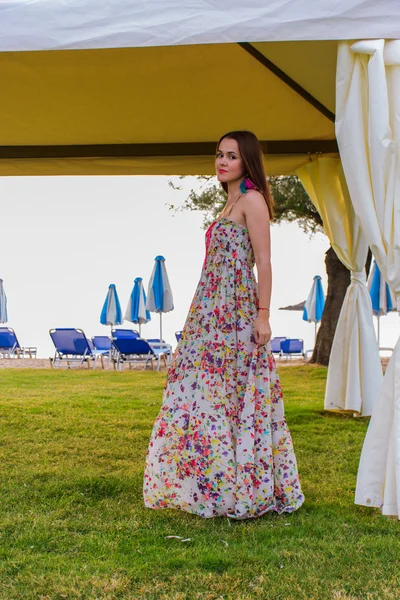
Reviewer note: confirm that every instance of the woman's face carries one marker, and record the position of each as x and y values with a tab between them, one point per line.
228	162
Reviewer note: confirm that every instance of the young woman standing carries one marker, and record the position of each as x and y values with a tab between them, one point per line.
220	445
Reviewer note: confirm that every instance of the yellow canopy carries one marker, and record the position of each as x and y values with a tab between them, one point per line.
160	110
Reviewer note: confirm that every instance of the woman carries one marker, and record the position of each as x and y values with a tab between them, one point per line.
220	444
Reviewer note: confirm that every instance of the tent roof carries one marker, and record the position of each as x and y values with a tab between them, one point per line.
50	24
137	101
161	110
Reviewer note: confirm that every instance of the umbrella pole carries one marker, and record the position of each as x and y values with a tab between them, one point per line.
161	327
315	333
140	329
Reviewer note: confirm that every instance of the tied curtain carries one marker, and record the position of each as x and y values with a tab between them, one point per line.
355	372
368	134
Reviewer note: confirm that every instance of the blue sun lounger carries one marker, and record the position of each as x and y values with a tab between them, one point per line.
73	347
276	345
161	347
292	347
102	342
134	351
103	347
10	346
125	333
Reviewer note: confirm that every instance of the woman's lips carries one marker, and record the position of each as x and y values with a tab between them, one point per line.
222	171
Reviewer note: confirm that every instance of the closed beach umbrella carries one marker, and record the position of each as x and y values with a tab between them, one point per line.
111	313
159	296
381	295
314	306
3	304
136	310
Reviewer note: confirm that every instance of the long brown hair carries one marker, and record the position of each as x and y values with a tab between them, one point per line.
252	156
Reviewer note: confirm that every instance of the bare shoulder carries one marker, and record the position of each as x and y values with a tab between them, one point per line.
255	204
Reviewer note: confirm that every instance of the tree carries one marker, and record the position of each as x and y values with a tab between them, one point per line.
292	203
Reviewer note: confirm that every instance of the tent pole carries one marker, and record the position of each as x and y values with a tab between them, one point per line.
296	87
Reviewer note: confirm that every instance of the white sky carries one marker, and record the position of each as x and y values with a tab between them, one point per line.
65	239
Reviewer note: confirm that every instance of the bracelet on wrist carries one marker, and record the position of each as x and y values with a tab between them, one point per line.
262	308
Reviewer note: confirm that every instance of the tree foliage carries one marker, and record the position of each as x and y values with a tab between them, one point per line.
291	202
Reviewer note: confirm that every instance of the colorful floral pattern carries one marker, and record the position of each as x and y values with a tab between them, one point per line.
220	444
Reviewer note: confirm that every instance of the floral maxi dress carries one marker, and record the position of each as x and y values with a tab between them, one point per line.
220	444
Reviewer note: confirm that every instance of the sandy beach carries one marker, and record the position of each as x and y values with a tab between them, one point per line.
25	363
44	363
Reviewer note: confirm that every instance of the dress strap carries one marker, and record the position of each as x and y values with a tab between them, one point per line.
230	210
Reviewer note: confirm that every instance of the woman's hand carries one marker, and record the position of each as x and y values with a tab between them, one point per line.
262	328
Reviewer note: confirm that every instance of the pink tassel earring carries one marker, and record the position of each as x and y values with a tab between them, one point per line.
246	184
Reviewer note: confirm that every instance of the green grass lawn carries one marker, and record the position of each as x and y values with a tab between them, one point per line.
73	524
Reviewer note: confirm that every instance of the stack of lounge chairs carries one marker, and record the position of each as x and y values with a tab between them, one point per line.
125	346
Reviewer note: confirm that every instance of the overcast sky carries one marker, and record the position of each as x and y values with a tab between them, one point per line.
65	239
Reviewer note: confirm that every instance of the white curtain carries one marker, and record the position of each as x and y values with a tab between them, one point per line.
368	133
355	371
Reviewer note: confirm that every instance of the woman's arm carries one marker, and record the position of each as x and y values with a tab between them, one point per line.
258	224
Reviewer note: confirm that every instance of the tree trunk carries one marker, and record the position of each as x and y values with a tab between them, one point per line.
338	282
